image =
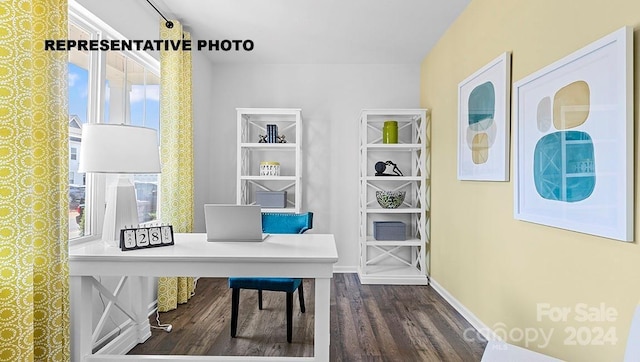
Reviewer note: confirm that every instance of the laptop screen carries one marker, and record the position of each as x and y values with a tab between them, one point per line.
233	222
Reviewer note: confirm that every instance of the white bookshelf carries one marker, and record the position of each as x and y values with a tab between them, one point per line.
251	123
395	262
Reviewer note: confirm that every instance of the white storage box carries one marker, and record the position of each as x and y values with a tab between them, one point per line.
389	230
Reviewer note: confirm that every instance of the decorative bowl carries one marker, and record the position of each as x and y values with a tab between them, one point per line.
390	199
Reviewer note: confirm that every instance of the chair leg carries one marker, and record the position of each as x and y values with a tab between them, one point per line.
301	297
260	299
235	301
289	316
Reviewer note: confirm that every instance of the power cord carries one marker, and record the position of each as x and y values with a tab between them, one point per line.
195	285
168	327
165	327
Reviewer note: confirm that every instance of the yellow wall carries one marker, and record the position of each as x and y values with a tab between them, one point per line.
500	268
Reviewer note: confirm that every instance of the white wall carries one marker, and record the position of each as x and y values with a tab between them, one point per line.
331	97
203	82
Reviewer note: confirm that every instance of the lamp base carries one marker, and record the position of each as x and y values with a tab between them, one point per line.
121	210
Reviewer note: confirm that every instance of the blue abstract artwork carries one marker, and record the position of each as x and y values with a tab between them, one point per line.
483	122
482	106
575	138
564	166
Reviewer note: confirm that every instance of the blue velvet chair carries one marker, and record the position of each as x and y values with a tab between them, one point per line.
273	223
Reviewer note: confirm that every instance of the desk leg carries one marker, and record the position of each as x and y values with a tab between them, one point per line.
81	328
137	286
322	319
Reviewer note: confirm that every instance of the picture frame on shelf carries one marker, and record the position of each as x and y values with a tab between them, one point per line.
483	122
574	141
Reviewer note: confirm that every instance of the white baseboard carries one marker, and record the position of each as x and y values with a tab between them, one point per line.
345	269
482	328
125	337
152	307
122	343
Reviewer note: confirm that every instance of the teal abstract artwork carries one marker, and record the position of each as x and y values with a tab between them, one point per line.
564	166
575	141
482	106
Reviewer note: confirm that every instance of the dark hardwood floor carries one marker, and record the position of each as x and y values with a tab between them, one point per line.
368	323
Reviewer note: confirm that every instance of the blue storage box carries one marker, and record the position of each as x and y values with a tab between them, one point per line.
272	199
389	230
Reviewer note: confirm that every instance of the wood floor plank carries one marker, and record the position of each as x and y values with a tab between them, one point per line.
342	324
368	323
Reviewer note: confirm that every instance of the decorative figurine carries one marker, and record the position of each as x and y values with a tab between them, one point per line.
265	139
381	167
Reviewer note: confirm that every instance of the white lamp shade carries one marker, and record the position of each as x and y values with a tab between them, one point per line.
118	148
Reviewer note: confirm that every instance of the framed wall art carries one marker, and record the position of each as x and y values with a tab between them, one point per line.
483	122
574	141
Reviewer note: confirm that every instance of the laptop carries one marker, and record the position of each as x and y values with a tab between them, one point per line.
233	222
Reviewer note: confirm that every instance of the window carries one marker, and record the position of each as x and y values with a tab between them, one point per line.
109	87
78	80
132	94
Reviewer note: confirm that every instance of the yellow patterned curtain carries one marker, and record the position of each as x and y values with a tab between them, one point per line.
176	150
34	127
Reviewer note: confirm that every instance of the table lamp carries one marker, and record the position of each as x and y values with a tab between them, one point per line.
119	149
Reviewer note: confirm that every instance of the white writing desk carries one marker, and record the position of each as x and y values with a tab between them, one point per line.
280	255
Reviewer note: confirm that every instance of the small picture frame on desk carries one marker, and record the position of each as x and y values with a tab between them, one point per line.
146	237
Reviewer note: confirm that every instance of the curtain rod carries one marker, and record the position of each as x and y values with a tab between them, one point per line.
169	23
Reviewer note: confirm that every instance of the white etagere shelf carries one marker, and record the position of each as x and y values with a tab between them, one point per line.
393	178
394	147
269	178
269	146
252	123
401	210
391	261
408	242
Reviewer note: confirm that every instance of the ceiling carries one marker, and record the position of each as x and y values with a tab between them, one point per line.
318	31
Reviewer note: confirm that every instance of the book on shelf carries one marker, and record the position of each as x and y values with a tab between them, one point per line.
272	133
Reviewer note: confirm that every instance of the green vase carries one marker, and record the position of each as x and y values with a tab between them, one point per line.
390	132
